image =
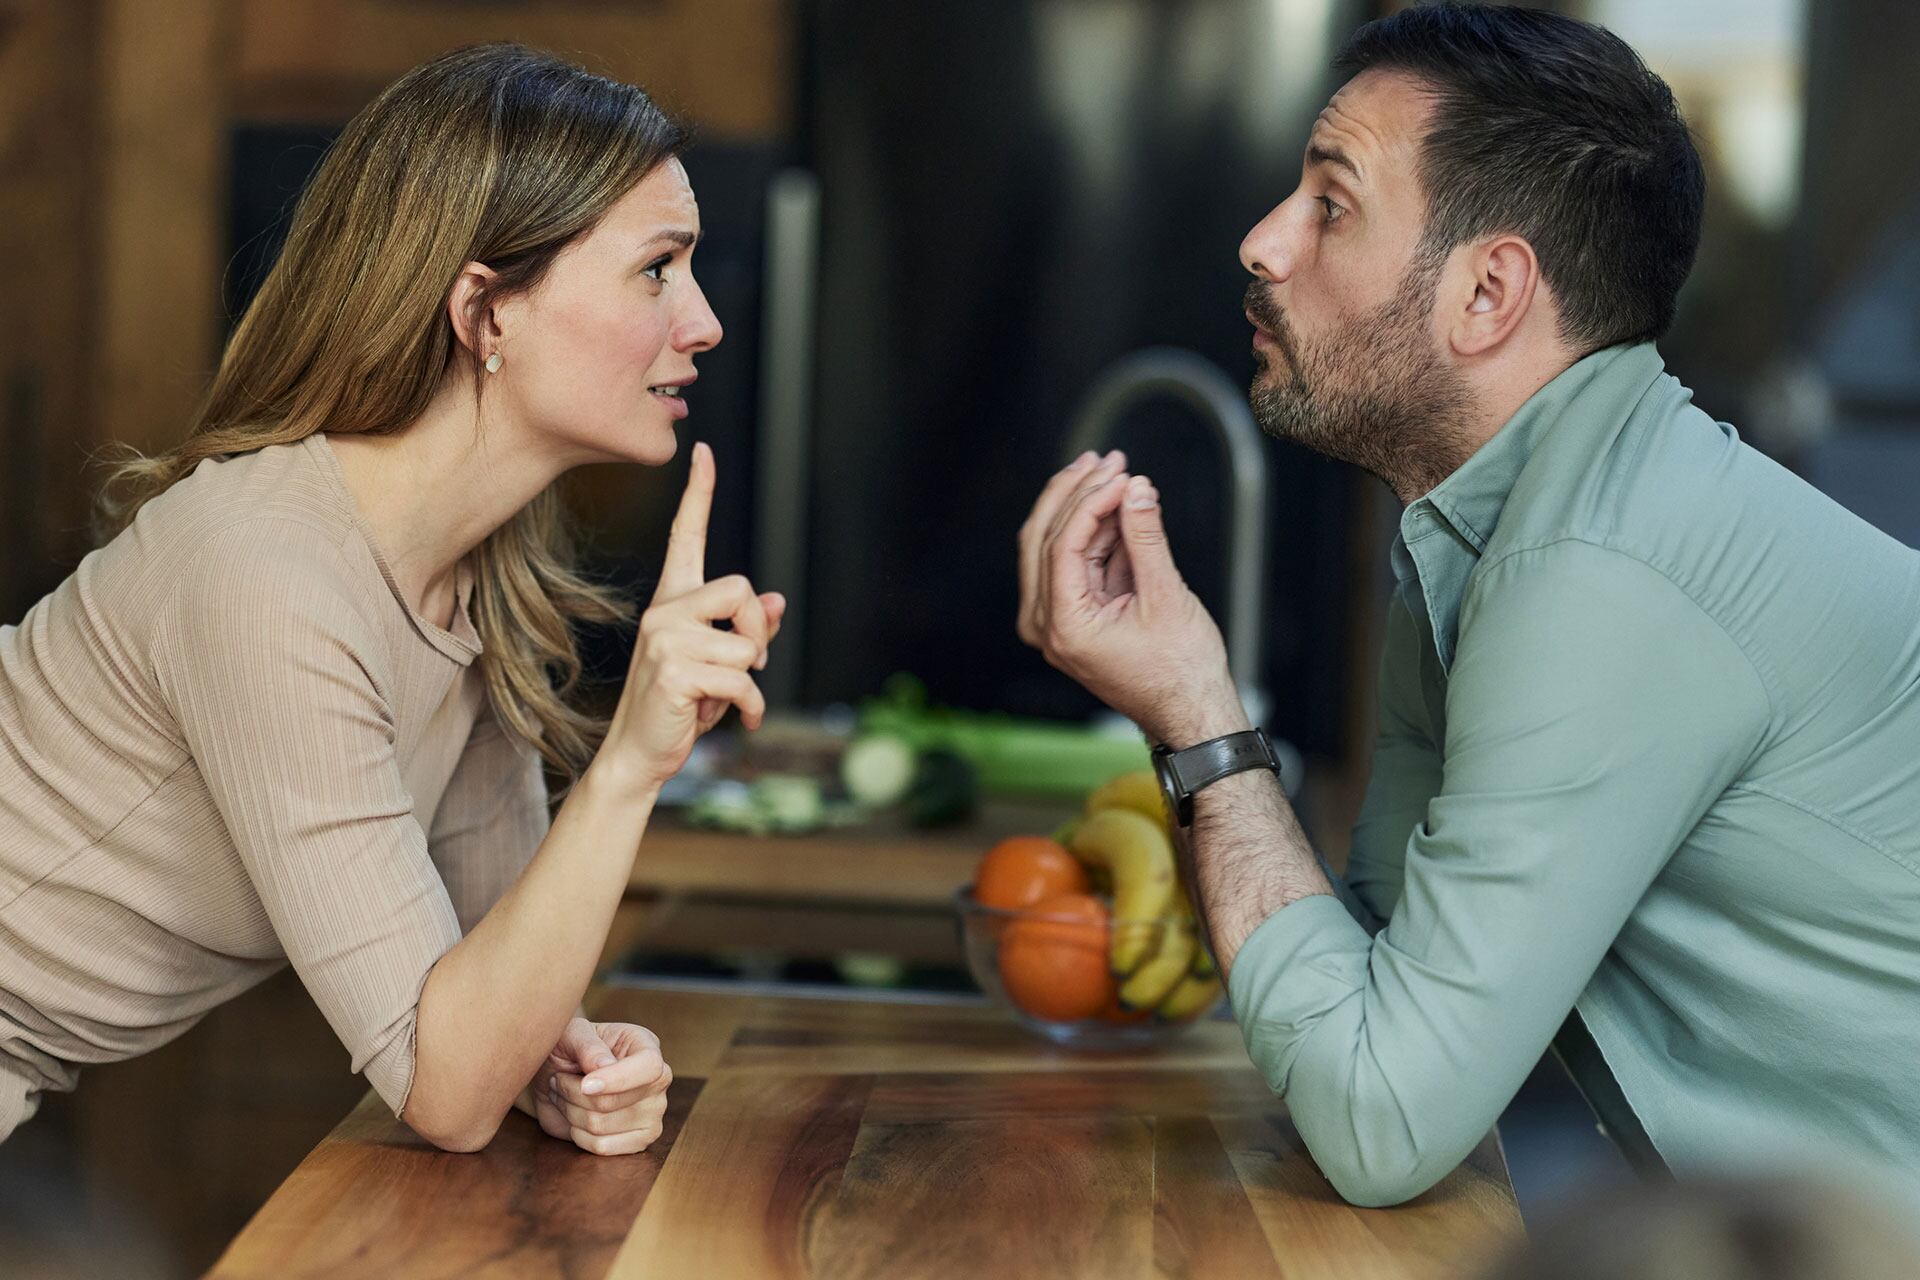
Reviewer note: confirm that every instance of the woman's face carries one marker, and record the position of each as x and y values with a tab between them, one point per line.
597	357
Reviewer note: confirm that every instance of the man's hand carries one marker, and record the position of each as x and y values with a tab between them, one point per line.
1101	597
604	1088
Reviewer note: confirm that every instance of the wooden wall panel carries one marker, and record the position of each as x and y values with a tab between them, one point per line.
46	305
162	211
727	64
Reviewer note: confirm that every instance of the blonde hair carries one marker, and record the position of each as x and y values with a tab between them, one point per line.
498	154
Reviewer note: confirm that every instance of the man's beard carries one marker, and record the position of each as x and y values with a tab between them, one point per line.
1374	392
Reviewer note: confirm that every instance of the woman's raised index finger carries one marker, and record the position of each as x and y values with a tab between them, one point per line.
686	565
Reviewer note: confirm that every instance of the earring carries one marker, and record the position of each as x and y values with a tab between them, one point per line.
493	363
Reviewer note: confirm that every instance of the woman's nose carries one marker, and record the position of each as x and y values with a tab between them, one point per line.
698	328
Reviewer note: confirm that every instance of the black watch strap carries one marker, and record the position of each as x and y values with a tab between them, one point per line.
1193	768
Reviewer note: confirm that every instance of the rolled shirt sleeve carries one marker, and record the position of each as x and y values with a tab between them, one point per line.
1594	713
279	700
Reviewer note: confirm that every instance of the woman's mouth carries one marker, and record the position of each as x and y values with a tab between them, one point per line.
670	397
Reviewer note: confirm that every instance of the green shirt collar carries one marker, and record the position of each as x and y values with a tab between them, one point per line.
1443	534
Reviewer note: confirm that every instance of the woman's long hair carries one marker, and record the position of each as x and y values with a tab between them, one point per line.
496	154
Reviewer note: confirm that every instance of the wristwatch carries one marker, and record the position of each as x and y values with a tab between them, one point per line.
1183	773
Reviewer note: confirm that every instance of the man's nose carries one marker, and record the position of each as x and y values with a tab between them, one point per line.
1265	252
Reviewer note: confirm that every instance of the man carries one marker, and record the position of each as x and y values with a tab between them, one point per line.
1648	770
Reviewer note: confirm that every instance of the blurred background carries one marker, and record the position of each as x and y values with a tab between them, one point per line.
939	236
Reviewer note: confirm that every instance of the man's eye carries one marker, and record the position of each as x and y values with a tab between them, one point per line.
1334	211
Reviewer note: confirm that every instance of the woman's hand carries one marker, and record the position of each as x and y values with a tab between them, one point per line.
603	1088
686	672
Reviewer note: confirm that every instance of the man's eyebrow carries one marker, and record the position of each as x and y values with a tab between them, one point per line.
1320	153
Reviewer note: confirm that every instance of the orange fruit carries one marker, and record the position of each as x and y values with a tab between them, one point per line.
1021	870
1117	1012
1053	962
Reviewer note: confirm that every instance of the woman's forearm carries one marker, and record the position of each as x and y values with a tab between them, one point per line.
494	1005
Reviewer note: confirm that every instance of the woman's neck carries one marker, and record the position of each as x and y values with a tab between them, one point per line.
432	491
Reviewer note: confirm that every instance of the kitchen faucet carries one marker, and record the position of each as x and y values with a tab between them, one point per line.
1200	384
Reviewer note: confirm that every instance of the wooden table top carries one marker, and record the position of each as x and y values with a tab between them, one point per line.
845	1139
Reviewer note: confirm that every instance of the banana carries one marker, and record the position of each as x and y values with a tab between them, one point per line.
1138	791
1204	965
1193	995
1151	983
1137	854
1063	834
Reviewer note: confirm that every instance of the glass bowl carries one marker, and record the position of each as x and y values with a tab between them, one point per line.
1073	949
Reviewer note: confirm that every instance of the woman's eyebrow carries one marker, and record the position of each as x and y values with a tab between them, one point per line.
678	238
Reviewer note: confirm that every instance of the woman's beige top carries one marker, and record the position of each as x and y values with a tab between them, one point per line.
226	743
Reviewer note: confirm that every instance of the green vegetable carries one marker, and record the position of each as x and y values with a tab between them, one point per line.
1040	757
777	802
877	769
945	790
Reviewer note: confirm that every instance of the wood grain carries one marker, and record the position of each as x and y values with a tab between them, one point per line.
845	1140
1014	1197
741	1199
527	1206
1203	1223
1443	1233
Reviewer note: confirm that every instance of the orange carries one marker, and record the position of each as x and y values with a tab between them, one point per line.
1021	870
1117	1012
1056	967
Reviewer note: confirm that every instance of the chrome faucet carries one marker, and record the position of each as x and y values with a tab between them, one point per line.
1201	385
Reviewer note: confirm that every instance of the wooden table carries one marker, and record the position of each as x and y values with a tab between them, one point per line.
833	1138
879	861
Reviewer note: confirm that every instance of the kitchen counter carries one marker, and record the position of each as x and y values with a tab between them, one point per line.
846	1139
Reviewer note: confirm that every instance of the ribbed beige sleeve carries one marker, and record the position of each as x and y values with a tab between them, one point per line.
275	684
491	820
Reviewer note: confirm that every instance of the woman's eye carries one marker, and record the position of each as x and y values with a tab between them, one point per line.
656	270
1334	211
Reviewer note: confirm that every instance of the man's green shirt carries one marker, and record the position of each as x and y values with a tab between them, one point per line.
1649	749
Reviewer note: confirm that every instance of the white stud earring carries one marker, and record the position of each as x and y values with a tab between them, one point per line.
493	363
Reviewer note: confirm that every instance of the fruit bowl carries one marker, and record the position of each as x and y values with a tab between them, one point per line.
1055	971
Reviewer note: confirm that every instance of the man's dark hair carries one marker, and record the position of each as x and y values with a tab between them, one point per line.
1552	129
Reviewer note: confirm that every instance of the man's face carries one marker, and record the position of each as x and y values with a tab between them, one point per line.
1350	360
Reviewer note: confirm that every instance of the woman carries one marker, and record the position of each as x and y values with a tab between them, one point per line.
296	709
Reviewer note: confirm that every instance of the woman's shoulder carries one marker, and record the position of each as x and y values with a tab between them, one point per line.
280	485
260	531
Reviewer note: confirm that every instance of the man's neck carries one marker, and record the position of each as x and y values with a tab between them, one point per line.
1500	389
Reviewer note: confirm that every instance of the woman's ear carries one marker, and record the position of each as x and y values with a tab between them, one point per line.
474	324
1506	280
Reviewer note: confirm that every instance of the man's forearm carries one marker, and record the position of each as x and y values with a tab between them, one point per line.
1250	856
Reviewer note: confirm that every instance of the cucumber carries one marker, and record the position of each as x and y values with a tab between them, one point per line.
944	792
878	769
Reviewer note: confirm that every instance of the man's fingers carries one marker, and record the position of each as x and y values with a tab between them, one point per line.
1146	537
1114	464
1066	565
686	562
1039	523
